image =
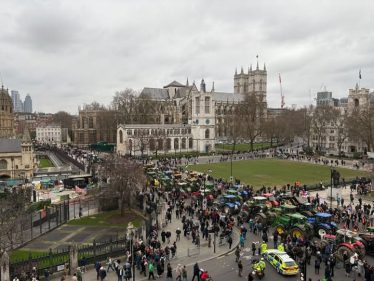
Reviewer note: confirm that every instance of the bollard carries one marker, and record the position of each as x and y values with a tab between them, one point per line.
210	240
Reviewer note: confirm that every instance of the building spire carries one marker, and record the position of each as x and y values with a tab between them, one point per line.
187	83
241	71
250	68
236	71
213	87
257	65
264	67
26	135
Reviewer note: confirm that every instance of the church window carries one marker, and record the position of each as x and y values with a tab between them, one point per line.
238	86
207	133
168	144
245	87
183	143
253	85
120	136
357	103
3	164
207	105
261	85
130	144
176	143
190	142
90	123
197	104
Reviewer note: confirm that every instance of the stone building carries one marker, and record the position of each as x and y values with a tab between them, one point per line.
49	134
94	125
6	114
17	158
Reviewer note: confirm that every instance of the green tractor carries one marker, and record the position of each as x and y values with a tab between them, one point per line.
294	224
166	184
285	210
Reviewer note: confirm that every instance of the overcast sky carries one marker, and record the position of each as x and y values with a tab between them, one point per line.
67	53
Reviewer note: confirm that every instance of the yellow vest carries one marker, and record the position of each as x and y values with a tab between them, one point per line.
281	248
264	247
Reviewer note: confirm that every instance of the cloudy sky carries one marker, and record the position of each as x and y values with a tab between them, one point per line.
67	53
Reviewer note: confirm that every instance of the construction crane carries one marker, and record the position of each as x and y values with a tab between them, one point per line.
282	96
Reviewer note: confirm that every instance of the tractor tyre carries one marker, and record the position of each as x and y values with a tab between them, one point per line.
360	252
271	217
297	231
244	216
342	249
281	229
321	231
260	217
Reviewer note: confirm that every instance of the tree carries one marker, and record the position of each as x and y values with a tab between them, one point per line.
125	181
320	120
13	218
252	110
234	124
339	123
63	118
361	126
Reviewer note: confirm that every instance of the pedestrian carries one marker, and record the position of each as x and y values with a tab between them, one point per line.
347	268
110	264
150	271
74	278
240	268
169	272
46	274
168	235
102	273
229	241
178	232
327	272
253	248
317	266
97	268
237	253
66	268
275	239
184	273
196	272
242	241
179	272
79	274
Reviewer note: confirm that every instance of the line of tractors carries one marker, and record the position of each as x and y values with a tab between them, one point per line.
293	217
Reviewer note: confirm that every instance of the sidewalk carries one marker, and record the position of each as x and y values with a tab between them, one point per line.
187	253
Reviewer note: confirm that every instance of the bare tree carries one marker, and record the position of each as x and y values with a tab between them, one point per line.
319	122
233	121
339	123
361	126
252	109
13	217
125	181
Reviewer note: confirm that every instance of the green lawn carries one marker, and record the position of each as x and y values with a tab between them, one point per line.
270	172
243	146
101	219
45	163
22	255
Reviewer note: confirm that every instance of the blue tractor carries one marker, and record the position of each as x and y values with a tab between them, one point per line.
322	224
228	204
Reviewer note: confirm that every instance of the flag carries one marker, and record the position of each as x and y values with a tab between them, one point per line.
280	79
359	74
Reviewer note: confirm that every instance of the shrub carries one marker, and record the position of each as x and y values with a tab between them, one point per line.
357	155
39	205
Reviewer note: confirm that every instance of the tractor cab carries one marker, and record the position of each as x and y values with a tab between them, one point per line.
236	194
285	209
257	200
209	185
177	177
192	175
271	199
306	207
347	236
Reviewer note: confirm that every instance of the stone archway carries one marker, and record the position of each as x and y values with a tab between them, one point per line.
4	177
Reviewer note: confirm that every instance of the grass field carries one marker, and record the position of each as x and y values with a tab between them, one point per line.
243	146
270	172
45	163
101	220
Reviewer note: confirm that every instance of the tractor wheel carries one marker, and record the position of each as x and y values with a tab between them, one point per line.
226	209
321	231
296	231
271	217
244	216
280	228
261	218
342	249
361	253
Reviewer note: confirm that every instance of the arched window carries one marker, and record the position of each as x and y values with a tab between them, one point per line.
183	143
357	103
168	144
245	87
120	136
130	144
207	134
3	165
176	143
261	85
160	144
190	143
253	85
238	86
152	144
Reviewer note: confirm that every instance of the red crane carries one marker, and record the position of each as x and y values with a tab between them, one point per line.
282	96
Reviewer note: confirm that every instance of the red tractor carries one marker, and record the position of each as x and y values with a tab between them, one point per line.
346	240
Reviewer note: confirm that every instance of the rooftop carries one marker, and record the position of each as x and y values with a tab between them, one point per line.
10	145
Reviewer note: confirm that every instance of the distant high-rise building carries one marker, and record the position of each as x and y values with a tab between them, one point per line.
17	103
28	104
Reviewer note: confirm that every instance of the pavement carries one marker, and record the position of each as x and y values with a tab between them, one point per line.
187	252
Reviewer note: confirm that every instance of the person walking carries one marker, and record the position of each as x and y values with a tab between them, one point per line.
46	274
110	264
179	272
240	268
253	248
178	232
102	274
196	272
169	272
317	266
79	274
229	241
237	253
184	273
150	271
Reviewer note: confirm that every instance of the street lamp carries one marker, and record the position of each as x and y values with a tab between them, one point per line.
130	235
331	177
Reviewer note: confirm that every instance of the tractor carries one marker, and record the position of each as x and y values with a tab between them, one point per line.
228	204
306	209
322	224
285	210
294	224
257	209
368	239
346	240
271	199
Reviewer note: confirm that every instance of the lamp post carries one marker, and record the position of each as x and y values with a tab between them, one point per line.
231	179
130	235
